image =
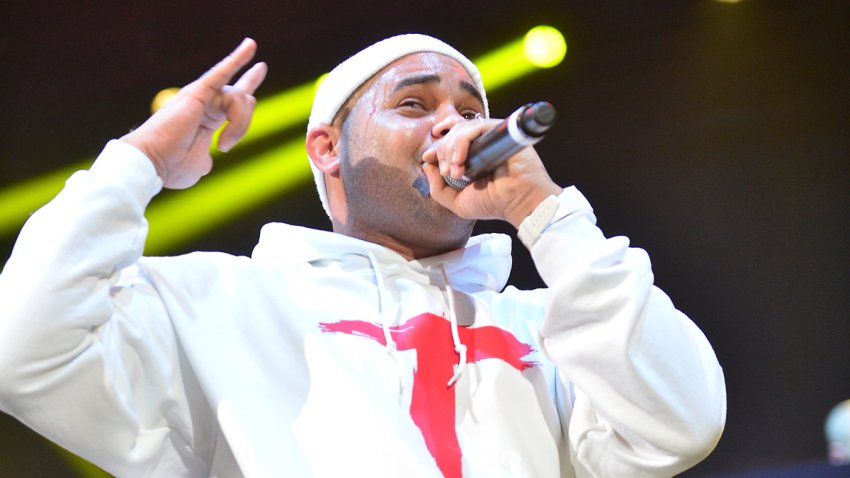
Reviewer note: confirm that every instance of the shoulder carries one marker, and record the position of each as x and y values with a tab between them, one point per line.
199	268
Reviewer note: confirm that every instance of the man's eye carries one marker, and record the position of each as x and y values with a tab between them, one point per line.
414	104
472	115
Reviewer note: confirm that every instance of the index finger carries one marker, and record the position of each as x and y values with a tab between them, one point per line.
220	74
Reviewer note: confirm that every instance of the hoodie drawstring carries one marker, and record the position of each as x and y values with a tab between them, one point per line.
460	348
391	347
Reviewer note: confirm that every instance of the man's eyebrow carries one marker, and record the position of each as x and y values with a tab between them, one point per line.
416	80
472	90
430	78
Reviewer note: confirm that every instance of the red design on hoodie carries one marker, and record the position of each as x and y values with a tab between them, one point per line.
432	405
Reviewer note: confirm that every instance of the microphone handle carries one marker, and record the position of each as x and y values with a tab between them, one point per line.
489	150
524	127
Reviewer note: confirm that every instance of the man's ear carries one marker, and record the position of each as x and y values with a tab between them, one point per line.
323	148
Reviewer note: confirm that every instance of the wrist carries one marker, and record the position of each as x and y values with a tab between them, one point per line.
527	203
130	139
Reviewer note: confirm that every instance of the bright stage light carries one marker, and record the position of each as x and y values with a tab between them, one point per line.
544	46
162	98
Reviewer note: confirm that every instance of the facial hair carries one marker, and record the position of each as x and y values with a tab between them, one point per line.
384	199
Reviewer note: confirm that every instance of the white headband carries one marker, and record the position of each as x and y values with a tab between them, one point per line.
344	80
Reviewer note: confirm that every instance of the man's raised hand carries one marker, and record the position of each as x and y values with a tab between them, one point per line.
177	137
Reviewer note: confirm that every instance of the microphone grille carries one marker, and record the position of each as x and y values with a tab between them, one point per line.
458	184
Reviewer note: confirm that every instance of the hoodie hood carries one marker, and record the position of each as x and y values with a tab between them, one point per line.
484	263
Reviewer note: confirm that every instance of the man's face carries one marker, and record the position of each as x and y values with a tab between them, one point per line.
407	106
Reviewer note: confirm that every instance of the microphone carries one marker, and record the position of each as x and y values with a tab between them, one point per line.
524	127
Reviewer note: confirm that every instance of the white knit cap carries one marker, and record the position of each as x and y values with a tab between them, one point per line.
343	80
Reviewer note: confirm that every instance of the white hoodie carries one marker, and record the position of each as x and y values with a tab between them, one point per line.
327	356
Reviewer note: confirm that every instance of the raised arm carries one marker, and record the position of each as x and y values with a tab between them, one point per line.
88	355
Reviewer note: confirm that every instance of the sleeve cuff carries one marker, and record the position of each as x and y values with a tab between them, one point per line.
551	210
122	164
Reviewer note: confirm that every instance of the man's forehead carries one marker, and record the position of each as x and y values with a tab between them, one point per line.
426	61
425	68
423	63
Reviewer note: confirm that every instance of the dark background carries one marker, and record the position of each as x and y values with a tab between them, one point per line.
714	135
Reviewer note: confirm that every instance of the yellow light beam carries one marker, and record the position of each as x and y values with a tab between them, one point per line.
19	201
503	65
216	199
542	47
274	114
82	467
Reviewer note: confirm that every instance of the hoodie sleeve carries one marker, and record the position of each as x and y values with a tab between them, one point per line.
88	357
647	393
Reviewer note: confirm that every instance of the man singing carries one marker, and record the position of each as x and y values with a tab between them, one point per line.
388	347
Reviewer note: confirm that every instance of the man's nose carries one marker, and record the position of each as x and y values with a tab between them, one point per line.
445	123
